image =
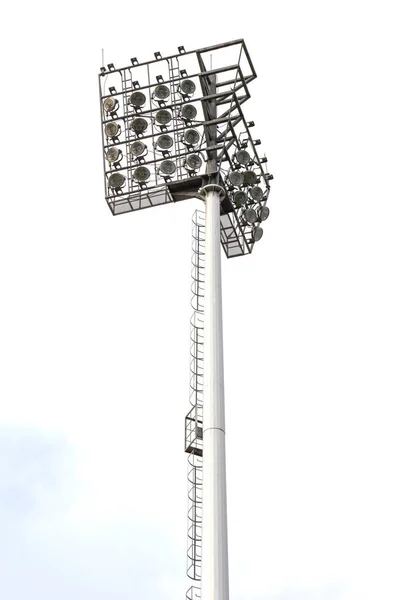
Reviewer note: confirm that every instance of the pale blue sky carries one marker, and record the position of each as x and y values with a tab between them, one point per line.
94	345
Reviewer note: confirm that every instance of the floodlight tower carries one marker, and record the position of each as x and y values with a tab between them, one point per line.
172	130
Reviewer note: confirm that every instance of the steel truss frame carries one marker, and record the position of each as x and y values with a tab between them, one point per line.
221	92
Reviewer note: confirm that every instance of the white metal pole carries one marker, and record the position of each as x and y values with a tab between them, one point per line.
214	560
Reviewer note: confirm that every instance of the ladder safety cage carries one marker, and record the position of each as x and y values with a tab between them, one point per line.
194	418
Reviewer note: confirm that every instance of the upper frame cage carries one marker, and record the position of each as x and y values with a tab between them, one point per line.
172	125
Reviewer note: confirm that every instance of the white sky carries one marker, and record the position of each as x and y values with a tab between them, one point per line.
95	315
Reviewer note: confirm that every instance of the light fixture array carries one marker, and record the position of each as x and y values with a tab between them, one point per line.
245	178
156	122
151	137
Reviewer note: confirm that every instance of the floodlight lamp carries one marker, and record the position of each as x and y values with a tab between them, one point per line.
257	234
161	92
167	167
113	155
139	125
236	178
187	87
163	117
165	142
249	178
111	129
256	193
110	105
263	213
191	137
141	174
137	148
116	181
240	199
193	162
250	216
137	99
188	112
243	157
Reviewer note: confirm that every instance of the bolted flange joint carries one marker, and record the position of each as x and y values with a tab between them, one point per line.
212	187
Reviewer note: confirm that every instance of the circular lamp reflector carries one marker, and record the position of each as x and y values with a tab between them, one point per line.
139	125
141	173
256	193
116	180
163	117
257	233
191	137
236	178
187	86
110	104
167	167
161	92
249	178
250	215
243	157
263	213
137	99
189	112
194	161
111	129
240	198
165	141
113	155
137	148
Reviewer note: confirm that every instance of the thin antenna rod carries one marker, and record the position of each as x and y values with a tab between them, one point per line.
102	57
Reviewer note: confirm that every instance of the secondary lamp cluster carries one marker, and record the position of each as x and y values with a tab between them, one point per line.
246	194
152	129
